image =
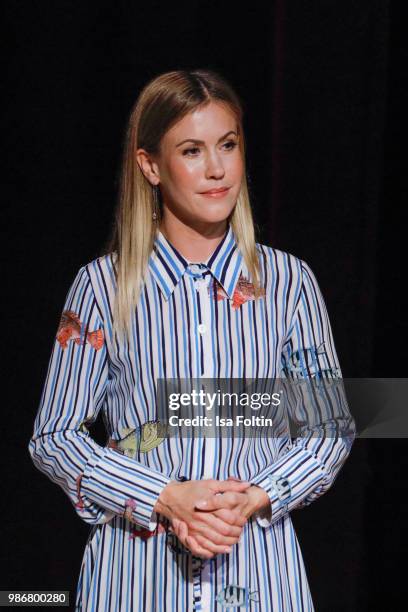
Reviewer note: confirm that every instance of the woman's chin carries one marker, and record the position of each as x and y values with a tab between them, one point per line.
214	213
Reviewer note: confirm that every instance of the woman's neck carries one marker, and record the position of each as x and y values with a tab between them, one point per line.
195	244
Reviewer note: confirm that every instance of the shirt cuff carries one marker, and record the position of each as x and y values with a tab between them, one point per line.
153	521
278	490
123	485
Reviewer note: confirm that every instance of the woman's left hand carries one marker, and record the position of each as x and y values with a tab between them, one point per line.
231	507
245	503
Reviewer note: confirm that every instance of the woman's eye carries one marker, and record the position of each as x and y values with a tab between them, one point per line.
190	150
193	150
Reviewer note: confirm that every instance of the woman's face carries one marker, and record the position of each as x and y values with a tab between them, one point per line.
198	154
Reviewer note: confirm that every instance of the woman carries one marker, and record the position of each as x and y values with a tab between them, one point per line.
184	292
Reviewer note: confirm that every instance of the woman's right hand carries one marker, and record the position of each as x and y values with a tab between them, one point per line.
177	502
200	545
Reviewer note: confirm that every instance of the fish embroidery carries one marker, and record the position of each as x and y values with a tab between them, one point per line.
70	328
281	485
244	291
144	439
236	596
302	360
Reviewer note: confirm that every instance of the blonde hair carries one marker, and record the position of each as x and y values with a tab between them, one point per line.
164	101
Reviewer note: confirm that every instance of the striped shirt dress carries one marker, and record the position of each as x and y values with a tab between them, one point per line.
193	320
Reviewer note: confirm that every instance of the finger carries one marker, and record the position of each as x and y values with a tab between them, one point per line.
227	500
174	525
208	521
232	517
214	548
232	485
180	529
235	501
196	549
214	535
183	531
215	502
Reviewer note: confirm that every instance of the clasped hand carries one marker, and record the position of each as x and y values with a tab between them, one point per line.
214	525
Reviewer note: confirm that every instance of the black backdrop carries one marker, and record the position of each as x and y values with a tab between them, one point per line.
325	92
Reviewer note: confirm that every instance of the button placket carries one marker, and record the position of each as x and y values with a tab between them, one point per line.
204	326
210	457
206	336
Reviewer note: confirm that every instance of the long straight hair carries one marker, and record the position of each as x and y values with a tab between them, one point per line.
164	101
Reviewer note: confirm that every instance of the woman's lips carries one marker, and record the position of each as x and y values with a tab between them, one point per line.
215	194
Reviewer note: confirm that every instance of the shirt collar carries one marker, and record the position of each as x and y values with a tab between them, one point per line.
167	265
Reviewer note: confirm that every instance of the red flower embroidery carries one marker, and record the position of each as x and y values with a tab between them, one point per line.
139	532
244	291
145	534
130	505
80	504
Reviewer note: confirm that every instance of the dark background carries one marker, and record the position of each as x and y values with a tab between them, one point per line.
324	88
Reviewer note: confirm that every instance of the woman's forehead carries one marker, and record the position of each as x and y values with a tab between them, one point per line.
210	122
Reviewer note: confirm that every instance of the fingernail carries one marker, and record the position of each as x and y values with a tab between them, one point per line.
201	504
227	550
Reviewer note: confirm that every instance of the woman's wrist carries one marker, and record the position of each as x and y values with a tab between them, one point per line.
259	498
163	503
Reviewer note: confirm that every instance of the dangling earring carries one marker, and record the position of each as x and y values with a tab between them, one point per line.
156	201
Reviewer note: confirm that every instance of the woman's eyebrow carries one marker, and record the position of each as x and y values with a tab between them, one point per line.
202	141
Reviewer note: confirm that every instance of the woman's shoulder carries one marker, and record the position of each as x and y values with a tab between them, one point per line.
101	272
285	262
275	258
101	262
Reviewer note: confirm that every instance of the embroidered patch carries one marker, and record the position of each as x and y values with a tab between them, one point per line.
130	505
71	328
137	531
244	291
79	504
145	534
303	361
281	485
143	439
236	596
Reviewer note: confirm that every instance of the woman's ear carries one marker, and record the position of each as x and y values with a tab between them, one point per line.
148	166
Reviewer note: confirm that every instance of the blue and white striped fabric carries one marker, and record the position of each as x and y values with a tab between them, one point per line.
187	324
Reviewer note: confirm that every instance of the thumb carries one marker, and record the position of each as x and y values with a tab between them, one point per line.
215	502
232	485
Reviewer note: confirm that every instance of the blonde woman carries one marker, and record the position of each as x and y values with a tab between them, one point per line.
184	291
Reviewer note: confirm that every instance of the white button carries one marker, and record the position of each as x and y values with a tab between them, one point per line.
202	328
195	268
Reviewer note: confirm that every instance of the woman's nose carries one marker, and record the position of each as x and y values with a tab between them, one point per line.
215	167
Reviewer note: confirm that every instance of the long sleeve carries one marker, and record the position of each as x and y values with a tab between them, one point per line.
316	404
99	481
